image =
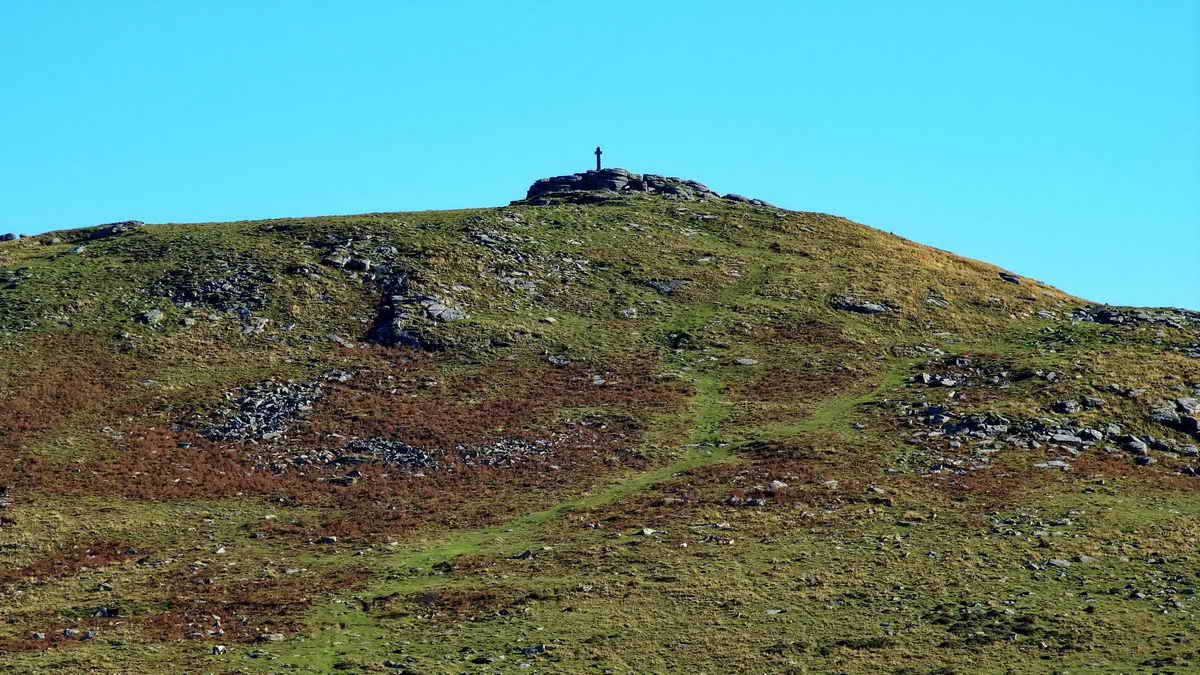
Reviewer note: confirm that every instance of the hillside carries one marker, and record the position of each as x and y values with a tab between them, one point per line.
621	425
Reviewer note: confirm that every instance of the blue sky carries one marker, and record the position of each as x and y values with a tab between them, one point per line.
1058	139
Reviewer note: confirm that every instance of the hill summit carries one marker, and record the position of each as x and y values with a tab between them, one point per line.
594	187
625	424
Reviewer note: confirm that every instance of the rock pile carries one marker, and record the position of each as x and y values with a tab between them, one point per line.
263	411
221	284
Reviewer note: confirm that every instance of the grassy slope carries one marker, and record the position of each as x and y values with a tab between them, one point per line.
423	573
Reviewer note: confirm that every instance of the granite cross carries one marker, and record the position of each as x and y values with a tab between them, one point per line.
598	153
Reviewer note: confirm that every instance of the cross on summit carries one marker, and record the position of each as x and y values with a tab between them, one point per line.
598	153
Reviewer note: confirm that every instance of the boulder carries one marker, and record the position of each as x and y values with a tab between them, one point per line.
851	304
747	200
1066	407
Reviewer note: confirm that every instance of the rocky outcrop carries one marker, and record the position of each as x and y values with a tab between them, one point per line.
1131	316
594	187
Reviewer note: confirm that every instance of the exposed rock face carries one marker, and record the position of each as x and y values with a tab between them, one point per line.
593	187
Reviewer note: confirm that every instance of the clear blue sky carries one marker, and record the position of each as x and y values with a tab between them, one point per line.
1058	139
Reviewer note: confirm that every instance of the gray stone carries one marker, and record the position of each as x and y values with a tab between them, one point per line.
746	362
1058	562
1053	464
153	317
1187	405
1144	460
1135	446
1164	415
1093	402
849	303
439	312
273	637
255	326
666	286
1066	438
747	200
1010	278
1066	407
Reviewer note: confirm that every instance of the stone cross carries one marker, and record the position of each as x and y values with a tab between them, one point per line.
598	153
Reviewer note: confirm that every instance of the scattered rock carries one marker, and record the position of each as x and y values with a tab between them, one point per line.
153	317
746	362
263	411
228	285
851	304
1010	278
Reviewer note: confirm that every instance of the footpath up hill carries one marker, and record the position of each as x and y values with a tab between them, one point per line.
623	424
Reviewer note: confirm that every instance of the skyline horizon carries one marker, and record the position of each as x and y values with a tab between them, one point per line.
505	205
